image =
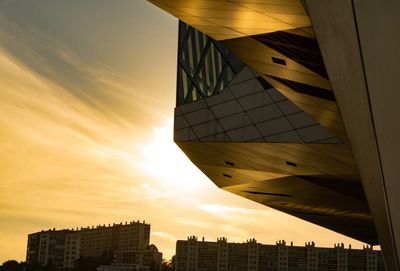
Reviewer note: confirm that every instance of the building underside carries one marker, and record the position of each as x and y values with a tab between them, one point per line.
293	104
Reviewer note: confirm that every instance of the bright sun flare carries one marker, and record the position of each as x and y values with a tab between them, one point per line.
165	161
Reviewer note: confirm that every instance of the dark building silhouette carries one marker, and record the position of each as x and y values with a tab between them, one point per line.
149	258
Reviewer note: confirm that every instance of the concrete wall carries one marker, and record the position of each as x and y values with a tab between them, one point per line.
360	46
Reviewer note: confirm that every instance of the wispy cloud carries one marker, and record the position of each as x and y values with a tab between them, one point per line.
164	235
218	209
194	224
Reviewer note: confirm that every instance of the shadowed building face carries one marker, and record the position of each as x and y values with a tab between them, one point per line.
266	110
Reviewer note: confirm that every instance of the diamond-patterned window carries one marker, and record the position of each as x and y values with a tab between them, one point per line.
204	66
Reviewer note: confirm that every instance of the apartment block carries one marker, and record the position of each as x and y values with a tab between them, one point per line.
128	236
195	255
59	248
63	248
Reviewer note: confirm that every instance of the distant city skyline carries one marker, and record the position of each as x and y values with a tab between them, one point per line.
129	243
86	121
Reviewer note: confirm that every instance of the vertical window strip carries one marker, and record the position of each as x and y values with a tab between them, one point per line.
209	88
201	84
184	83
215	66
220	82
197	46
206	66
189	96
222	86
205	63
180	98
219	61
200	76
191	64
214	75
194	94
183	55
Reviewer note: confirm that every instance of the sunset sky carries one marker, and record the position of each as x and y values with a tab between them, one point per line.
87	92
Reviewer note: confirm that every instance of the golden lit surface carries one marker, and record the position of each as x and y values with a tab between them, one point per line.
232	19
86	110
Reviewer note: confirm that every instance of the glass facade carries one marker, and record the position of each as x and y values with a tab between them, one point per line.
204	66
249	109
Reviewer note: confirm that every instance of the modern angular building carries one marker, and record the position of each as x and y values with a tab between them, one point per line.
198	255
294	104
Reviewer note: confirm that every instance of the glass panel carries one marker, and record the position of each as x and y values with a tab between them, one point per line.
184	83
191	62
204	60
194	94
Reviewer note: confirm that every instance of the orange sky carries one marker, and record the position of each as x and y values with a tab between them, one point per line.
87	92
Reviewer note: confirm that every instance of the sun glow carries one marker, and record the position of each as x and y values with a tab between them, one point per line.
164	161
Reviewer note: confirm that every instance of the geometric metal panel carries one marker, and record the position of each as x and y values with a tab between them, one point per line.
253	115
300	180
303	50
231	19
249	109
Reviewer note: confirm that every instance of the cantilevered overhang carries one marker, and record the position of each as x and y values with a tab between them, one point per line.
278	143
330	172
223	20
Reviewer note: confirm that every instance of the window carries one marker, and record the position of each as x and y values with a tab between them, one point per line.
291	164
279	61
229	163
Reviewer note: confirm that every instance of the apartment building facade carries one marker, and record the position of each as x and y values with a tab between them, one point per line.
195	255
63	248
57	248
128	236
